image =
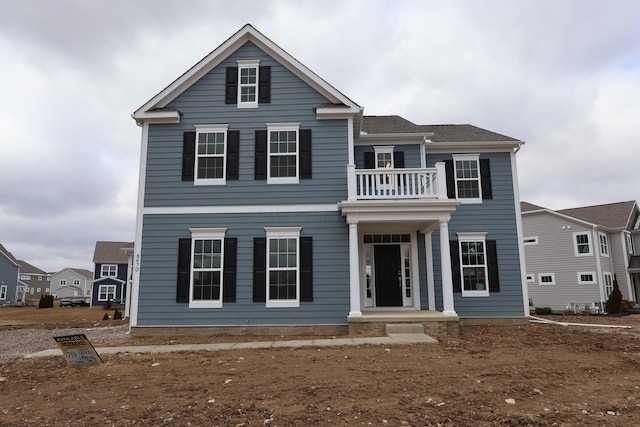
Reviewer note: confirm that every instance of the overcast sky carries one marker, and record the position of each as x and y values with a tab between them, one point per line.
563	76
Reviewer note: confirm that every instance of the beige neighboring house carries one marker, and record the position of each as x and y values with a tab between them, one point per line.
71	282
573	255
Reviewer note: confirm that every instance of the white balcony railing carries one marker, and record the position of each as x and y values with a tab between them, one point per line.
370	184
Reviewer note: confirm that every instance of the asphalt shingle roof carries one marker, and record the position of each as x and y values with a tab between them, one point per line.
527	207
441	133
611	215
111	252
8	254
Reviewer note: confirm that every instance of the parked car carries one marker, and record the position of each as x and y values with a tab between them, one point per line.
73	302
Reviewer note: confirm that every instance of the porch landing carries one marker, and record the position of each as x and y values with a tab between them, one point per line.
433	322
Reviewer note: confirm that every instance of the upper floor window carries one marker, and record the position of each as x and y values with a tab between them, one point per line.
532	240
211	148
629	244
63	282
248	84
384	157
582	244
467	177
25	277
109	270
547	278
604	244
40	278
282	153
76	282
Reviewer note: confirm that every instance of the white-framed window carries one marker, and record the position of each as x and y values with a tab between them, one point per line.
106	292
39	290
283	261
25	277
586	278
109	270
603	241
31	291
207	260
546	278
283	153
630	248
3	292
48	279
76	282
607	279
40	278
531	278
211	149
248	78
62	283
473	264
384	156
467	177
46	290
582	244
531	240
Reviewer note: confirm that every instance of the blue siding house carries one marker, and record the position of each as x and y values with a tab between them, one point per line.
9	272
112	271
268	199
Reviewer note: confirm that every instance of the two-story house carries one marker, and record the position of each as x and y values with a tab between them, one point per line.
573	255
72	282
9	273
112	272
35	281
267	198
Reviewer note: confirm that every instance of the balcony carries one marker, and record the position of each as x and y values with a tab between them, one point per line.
390	184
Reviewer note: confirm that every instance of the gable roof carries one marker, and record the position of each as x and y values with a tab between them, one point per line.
86	274
111	252
26	268
8	255
440	133
610	215
528	207
155	107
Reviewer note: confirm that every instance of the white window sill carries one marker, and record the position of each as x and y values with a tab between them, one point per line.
205	304
210	182
282	181
474	294
247	105
283	304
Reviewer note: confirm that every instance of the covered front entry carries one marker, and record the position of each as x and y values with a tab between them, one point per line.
387	277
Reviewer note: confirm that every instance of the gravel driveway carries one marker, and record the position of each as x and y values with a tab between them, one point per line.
20	342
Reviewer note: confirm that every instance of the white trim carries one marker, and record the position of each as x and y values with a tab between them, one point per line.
239	209
431	286
474	237
531	278
207	234
248	64
551	283
3	292
606	244
575	244
115	290
214	128
530	240
467	157
606	274
593	280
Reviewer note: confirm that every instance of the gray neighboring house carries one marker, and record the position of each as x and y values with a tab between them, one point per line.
71	282
9	272
37	282
573	255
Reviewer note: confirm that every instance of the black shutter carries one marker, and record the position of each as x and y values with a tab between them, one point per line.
455	265
398	159
492	265
229	269
264	85
259	269
184	270
369	160
188	155
306	269
485	178
451	181
233	154
231	92
260	167
305	153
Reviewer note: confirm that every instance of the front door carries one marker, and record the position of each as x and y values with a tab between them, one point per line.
388	279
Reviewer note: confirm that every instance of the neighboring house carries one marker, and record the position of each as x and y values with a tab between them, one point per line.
71	282
112	270
573	255
9	273
267	198
35	281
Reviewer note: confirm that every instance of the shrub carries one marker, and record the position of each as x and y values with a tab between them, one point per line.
46	301
543	310
106	316
106	305
117	315
614	303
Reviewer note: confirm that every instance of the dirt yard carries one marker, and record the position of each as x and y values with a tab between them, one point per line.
534	375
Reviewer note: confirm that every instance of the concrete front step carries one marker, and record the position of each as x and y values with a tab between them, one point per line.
404	328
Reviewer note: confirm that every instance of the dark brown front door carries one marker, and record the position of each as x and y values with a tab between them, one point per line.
387	269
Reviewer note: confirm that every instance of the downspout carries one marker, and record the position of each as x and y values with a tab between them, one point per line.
596	248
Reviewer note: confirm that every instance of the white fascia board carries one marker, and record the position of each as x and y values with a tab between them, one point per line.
375	138
561	215
473	147
245	34
169	116
338	112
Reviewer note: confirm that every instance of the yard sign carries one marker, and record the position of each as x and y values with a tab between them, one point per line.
78	350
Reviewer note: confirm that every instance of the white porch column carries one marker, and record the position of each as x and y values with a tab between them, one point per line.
445	266
431	287
354	271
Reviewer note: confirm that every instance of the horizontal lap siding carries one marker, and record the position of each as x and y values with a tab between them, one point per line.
292	100
555	253
411	154
159	271
496	217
